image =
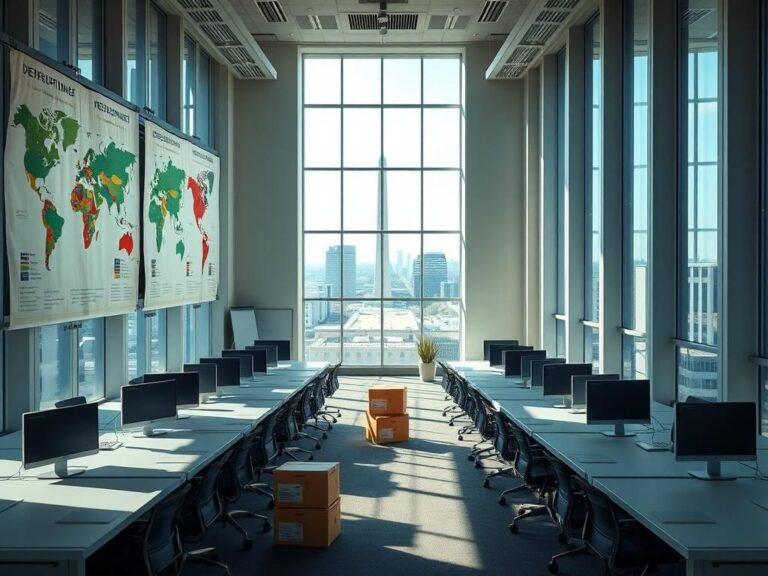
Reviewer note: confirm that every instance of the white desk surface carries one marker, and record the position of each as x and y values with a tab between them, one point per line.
740	528
296	366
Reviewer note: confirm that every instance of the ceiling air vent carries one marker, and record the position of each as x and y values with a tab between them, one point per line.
523	55
312	22
250	71
272	11
539	34
451	22
492	11
220	34
562	4
205	16
511	71
693	15
553	16
369	21
265	37
195	4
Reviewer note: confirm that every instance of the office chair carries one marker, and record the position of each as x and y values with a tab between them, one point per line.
568	501
302	414
237	475
485	423
472	403
331	385
461	400
319	391
287	430
532	466
264	452
505	449
309	409
621	542
76	401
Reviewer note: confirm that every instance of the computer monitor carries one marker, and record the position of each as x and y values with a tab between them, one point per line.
537	369
556	380
497	350
525	362
259	362
56	435
487	346
187	387
618	402
227	371
511	360
246	362
144	404
270	349
207	374
579	389
283	347
715	432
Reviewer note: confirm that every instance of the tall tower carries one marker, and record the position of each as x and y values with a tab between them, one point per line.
381	277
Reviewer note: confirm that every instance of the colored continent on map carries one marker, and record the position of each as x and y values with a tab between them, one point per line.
126	243
200	188
53	223
166	201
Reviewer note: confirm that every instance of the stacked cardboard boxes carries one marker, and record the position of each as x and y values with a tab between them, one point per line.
386	418
307	504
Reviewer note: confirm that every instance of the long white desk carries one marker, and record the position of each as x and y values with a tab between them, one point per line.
127	481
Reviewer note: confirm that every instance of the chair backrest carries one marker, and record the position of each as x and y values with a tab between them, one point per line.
76	401
565	495
206	497
601	529
238	472
162	547
524	459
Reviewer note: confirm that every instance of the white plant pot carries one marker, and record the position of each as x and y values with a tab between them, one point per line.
427	371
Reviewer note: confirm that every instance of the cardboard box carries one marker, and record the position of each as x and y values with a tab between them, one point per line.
315	527
386	429
306	484
387	399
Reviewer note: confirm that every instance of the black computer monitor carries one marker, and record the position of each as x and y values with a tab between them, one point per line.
283	347
144	404
618	402
579	389
56	435
537	369
527	358
187	386
556	380
715	432
270	349
227	371
207	374
246	362
259	359
497	351
487	346
510	359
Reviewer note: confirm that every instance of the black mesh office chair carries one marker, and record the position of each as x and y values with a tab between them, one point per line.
262	456
533	467
302	414
485	424
76	401
287	430
568	501
331	385
308	408
505	448
236	476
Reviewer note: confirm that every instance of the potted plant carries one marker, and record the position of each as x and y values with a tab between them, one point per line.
427	350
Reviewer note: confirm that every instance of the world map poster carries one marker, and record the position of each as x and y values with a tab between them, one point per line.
71	199
180	219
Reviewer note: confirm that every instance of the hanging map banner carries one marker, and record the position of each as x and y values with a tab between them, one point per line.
72	207
180	219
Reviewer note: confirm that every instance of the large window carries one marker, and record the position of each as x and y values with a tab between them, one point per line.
764	230
593	198
560	243
90	39
699	199
146	342
635	191
197	332
70	361
52	31
145	57
382	188
198	92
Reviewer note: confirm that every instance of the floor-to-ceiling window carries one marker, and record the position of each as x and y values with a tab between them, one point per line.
698	200
764	228
146	342
90	39
593	199
189	85
560	244
635	190
197	331
156	62
382	190
52	19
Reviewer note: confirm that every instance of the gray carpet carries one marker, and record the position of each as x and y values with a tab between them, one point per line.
416	507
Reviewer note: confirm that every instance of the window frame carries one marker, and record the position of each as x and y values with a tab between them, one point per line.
560	318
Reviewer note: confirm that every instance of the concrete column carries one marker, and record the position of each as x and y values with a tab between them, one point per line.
574	196
175	340
740	213
548	203
19	376
532	214
662	217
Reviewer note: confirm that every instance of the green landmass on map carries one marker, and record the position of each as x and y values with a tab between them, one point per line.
166	200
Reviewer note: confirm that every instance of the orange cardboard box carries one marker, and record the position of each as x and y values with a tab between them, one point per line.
386	429
306	484
315	527
387	399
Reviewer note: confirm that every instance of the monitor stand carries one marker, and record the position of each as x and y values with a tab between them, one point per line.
577	410
566	403
713	472
61	470
183	417
149	432
618	432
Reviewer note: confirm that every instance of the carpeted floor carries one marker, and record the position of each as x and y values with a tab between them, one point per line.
416	507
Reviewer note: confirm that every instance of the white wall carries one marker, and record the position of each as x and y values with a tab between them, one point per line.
267	230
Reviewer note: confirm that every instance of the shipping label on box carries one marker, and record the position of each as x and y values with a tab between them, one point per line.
380	404
290	532
290	493
386	434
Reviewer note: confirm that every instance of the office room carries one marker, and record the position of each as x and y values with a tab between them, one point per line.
361	287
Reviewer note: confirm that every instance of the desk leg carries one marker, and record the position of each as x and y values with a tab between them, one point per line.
694	568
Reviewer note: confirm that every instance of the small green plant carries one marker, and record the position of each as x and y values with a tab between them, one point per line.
427	350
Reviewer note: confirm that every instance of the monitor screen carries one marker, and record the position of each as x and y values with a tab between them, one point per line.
187	386
283	347
618	401
527	358
144	403
227	370
50	435
537	369
719	430
259	357
246	361
497	350
556	379
207	374
511	360
270	349
579	386
487	346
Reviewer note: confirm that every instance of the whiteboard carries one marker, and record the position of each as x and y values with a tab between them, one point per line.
243	326
275	323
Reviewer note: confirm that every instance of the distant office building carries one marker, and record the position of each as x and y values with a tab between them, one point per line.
333	270
435	273
317	311
449	289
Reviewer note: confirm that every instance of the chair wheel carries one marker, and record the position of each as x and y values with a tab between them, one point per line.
486	483
247	544
325	436
562	538
330	426
266	527
471	457
444	414
461	437
450	423
514	529
553	567
478	463
311	457
502	501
